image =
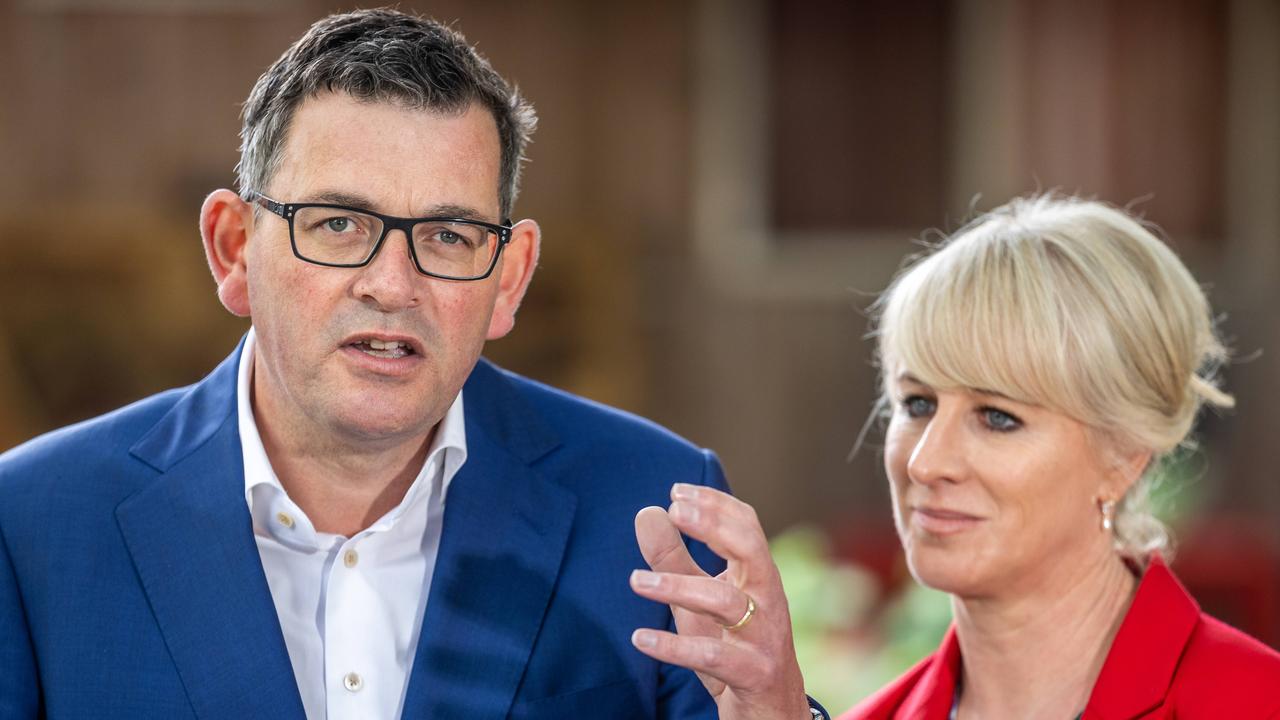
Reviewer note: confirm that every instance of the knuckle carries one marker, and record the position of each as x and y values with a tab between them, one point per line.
662	555
712	654
726	598
668	583
761	667
767	666
756	548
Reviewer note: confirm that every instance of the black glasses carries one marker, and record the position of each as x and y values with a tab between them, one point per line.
341	236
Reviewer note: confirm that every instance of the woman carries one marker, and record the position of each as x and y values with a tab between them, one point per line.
1036	367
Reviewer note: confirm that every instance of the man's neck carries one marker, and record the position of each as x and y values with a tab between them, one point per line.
1039	654
343	491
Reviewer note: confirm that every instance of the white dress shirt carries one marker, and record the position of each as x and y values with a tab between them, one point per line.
351	608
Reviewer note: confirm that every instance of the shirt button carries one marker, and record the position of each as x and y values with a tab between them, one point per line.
350	558
284	519
352	682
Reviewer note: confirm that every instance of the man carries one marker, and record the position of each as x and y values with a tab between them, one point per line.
353	516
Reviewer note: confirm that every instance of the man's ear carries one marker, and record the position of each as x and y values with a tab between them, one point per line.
225	220
519	258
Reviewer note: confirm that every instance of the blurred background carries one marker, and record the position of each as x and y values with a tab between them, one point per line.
723	186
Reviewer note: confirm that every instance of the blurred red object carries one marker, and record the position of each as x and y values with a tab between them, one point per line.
1231	565
872	544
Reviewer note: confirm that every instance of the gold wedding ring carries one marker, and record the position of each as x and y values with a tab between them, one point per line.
746	616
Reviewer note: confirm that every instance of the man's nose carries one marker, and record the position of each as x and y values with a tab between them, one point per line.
390	281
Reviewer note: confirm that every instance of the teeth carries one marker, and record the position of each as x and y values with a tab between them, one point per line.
391	349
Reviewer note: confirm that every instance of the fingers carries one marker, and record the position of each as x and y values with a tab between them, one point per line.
728	526
738	666
750	669
665	551
704	595
661	544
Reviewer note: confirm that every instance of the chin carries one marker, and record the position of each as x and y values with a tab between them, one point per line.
946	569
381	425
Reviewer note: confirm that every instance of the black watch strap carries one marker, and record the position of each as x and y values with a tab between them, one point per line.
817	711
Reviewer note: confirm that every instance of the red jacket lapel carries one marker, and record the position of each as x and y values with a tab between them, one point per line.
1139	669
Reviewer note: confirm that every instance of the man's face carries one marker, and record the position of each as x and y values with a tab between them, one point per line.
315	372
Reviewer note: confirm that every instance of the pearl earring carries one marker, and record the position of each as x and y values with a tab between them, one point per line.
1108	510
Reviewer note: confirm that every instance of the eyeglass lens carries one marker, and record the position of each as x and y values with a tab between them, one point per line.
338	236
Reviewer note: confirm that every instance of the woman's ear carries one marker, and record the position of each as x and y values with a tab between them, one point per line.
225	221
1128	464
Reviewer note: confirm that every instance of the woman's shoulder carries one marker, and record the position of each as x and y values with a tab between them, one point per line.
1226	670
1217	670
1214	638
1217	650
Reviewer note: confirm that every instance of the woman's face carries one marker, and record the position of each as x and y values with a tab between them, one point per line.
991	495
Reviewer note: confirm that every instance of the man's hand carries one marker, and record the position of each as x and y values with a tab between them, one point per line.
751	669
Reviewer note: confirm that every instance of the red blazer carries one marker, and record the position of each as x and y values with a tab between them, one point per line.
1169	660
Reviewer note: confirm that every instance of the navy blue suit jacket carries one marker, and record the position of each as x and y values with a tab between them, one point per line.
131	587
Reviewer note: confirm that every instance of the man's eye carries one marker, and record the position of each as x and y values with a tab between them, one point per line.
1000	420
339	224
918	406
448	237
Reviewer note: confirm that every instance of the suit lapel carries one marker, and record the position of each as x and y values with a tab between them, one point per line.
191	539
1144	656
934	693
505	532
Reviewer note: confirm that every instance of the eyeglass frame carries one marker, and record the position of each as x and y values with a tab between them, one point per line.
287	211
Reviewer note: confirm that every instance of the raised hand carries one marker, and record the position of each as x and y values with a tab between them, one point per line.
733	630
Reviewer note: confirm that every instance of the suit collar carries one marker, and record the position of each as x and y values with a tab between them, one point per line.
506	528
494	405
190	537
1144	657
194	419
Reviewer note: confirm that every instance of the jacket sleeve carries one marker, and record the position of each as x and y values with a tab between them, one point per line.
19	686
681	695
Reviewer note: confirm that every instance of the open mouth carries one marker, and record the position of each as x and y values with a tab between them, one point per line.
388	350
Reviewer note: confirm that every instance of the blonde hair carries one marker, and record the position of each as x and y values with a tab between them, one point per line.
1069	304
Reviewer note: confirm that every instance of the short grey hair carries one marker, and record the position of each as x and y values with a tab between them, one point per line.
1070	304
381	55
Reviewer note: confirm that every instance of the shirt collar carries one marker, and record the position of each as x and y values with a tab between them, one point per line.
448	449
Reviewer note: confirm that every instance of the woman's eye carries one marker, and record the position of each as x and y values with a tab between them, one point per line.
1000	420
918	406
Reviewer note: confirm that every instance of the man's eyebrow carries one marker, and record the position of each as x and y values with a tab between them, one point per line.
338	197
461	212
360	202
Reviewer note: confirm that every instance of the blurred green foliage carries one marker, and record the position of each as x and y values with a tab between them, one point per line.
850	639
1176	490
